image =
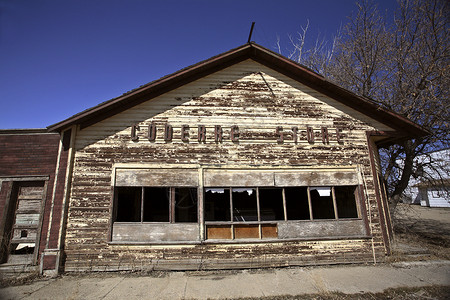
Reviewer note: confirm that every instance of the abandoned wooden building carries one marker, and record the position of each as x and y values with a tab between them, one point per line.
244	160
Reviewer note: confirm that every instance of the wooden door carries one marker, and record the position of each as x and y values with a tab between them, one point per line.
25	230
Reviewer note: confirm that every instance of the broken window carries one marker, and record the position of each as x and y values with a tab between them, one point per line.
346	201
271	204
249	206
244	205
156	204
185	204
322	202
217	205
129	204
233	212
297	206
255	210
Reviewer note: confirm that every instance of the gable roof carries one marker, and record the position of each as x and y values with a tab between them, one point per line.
402	126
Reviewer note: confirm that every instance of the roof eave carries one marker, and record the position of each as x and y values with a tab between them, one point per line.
156	88
260	54
321	84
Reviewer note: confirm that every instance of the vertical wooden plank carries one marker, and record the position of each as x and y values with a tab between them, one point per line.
113	210
371	148
38	238
258	212
7	221
172	205
309	204
142	203
333	196
231	212
201	205
56	183
231	204
358	200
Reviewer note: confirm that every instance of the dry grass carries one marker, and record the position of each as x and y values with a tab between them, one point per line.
430	292
19	279
428	228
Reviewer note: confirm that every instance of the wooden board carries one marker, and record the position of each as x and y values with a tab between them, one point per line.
218	232
147	232
156	177
328	228
316	178
246	231
269	231
238	178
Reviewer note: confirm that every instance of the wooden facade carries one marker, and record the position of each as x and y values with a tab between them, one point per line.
245	160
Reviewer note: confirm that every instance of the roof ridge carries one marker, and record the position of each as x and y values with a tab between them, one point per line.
218	62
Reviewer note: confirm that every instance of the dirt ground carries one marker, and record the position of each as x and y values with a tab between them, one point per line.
424	227
422	293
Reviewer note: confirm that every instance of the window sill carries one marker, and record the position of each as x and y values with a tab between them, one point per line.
238	241
154	243
303	239
155	223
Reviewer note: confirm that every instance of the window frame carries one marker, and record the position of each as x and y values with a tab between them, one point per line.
285	228
260	223
171	204
283	193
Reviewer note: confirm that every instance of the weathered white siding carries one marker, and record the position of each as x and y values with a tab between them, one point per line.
251	96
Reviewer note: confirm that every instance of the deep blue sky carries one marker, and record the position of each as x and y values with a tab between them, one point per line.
59	57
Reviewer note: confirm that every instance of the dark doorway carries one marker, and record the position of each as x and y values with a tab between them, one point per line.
23	221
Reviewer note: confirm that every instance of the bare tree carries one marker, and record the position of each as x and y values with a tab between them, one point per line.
318	57
403	66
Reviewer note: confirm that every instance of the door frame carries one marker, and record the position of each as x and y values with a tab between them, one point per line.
9	213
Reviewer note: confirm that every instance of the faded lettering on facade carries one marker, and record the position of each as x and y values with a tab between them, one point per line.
280	134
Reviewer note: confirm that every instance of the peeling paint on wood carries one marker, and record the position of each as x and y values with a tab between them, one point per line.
239	109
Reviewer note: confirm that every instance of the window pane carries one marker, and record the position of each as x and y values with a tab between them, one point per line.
128	204
297	207
217	205
271	204
345	201
244	205
185	205
156	204
322	203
